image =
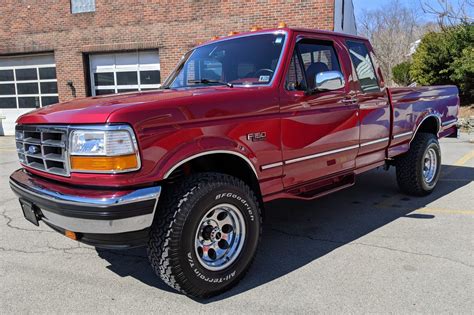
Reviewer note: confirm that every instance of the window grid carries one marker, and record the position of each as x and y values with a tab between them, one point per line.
38	81
117	88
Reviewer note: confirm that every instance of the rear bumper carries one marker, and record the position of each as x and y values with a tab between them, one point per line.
104	217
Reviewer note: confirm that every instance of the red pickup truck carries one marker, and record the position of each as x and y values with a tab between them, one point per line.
186	169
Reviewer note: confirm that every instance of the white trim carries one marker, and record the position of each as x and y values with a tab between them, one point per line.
313	156
28	95
449	122
421	122
52	65
273	165
374	141
402	134
28	81
246	159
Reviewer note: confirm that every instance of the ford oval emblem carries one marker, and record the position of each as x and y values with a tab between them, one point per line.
32	149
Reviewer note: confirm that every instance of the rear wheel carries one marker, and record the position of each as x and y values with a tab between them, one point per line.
418	170
206	234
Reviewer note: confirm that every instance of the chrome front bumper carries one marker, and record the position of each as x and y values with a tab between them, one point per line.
87	210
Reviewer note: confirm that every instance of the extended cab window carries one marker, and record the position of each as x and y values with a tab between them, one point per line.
364	67
314	57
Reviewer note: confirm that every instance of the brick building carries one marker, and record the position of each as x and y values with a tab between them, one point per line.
55	50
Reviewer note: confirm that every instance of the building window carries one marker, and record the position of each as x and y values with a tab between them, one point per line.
82	6
28	82
124	72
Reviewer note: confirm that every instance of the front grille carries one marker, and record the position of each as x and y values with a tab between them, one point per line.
43	148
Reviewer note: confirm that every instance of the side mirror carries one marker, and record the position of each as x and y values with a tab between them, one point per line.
329	81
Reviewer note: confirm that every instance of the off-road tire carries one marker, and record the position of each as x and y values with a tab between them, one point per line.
171	246
409	166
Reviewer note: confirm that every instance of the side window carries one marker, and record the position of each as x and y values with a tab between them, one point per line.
295	78
317	57
364	67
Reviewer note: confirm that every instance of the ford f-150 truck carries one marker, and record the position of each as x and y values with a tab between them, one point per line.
242	120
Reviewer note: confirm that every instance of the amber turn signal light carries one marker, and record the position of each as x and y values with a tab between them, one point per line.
104	163
71	235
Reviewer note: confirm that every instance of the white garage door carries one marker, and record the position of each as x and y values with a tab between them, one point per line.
124	72
28	81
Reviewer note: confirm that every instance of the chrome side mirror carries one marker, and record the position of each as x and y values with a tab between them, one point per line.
329	81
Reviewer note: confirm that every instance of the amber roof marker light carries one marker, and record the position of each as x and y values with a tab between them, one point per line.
255	28
282	25
232	33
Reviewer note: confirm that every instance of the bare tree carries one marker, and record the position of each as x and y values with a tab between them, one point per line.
449	13
391	30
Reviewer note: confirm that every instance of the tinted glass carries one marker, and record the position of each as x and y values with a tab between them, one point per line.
104	92
7	102
250	60
127	78
48	100
47	73
7	89
127	90
28	102
364	68
103	79
150	77
27	88
49	87
26	74
6	75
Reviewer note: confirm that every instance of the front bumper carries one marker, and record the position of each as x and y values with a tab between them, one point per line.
106	218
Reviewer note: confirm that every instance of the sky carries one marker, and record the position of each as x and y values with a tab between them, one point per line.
360	5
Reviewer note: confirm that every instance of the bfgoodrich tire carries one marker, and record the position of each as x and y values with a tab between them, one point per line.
206	234
418	170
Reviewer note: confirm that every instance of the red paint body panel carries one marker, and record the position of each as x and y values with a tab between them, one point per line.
173	125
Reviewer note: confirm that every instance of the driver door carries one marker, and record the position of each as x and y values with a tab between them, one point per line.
320	129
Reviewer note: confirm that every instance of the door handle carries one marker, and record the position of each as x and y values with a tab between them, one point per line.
351	100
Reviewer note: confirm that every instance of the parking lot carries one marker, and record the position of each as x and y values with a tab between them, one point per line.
366	249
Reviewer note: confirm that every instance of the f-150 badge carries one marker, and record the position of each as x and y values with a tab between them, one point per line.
257	136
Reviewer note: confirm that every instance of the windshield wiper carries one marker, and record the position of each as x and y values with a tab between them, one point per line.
207	81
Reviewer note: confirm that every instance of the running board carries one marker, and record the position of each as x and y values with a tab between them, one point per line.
319	189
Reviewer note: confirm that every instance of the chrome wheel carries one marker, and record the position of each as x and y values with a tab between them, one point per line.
220	237
430	165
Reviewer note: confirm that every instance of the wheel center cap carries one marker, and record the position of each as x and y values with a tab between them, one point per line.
215	234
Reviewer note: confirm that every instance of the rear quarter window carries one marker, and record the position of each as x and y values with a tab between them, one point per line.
364	66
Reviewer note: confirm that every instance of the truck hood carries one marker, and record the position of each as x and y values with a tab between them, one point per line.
97	109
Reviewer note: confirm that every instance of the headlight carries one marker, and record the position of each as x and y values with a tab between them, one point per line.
112	150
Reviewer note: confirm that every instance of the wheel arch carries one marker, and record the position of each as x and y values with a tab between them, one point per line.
223	161
430	123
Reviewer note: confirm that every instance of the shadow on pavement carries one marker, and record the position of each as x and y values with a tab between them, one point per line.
298	232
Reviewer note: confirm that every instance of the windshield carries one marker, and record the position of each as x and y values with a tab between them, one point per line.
249	60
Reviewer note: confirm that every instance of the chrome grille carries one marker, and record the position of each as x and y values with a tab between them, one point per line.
43	148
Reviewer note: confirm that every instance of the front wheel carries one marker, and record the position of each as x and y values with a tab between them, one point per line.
206	234
418	170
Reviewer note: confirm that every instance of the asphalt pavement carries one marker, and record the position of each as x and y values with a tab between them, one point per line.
367	249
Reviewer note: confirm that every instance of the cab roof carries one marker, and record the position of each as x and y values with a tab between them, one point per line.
288	30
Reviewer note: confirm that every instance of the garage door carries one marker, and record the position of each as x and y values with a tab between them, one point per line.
28	81
124	72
